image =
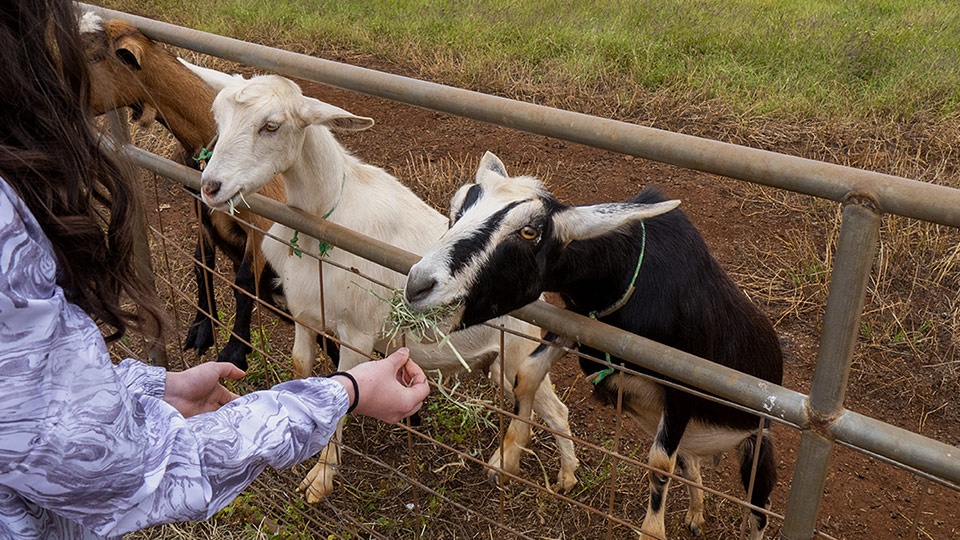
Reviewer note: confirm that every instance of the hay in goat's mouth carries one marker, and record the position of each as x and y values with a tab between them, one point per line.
421	325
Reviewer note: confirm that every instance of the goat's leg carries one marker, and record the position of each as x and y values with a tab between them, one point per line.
318	483
754	522
663	459
272	293
555	414
245	292
690	469
529	375
200	333
304	350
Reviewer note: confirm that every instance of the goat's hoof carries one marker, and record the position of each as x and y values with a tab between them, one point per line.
234	355
653	529
493	478
318	485
694	522
565	482
199	337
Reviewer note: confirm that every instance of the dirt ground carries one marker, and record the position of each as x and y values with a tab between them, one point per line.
864	498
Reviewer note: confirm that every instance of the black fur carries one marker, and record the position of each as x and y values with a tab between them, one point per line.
683	299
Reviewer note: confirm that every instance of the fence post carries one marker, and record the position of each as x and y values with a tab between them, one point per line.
859	232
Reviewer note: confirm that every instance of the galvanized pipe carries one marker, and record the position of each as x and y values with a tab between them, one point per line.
771	400
859	232
893	194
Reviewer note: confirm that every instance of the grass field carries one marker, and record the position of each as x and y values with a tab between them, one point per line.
788	58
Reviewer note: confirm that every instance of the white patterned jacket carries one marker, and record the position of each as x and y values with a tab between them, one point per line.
89	449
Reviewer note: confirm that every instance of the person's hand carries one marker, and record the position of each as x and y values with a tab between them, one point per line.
198	389
390	389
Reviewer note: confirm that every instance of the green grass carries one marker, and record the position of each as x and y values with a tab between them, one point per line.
797	58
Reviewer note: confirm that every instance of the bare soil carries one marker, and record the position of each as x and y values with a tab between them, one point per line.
864	498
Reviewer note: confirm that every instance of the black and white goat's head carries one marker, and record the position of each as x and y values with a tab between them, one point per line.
505	234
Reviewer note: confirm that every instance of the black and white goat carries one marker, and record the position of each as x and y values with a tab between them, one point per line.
510	240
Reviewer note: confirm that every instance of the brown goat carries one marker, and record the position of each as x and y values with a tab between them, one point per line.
130	70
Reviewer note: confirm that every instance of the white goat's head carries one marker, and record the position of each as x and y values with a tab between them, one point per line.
262	123
505	235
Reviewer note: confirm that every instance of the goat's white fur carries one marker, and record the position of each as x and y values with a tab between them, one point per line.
90	22
267	126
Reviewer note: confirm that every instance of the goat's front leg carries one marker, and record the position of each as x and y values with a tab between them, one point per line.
318	484
245	292
200	334
690	469
527	380
662	460
304	350
555	414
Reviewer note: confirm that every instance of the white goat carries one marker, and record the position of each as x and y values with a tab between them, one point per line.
266	127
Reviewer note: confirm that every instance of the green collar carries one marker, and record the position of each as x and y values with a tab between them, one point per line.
599	376
324	248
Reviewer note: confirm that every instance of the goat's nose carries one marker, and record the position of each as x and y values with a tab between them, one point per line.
210	187
419	287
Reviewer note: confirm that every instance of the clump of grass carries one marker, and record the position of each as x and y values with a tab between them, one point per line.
422	325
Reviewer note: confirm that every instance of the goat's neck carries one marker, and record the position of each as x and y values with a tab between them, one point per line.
315	182
182	100
593	274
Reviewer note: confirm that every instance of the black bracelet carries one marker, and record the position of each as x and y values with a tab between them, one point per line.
356	388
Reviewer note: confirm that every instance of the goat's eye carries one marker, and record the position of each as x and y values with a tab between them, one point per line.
529	233
270	127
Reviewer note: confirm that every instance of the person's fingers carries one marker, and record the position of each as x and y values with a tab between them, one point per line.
412	373
227	396
229	371
418	402
399	357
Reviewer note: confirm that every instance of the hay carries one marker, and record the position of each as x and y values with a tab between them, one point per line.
423	326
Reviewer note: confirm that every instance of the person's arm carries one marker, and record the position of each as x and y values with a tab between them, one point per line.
77	441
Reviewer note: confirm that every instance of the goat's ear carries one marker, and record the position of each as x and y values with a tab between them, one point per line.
491	163
215	79
129	52
318	112
584	222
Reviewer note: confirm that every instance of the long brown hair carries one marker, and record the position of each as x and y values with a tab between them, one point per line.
52	156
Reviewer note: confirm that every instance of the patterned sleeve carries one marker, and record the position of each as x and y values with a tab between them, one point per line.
86	442
142	379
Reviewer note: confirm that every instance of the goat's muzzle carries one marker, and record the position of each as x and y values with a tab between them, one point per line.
210	188
419	287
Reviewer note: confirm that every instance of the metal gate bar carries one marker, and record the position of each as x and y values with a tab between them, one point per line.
859	233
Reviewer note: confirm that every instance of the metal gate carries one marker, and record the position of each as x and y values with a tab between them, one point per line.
864	197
